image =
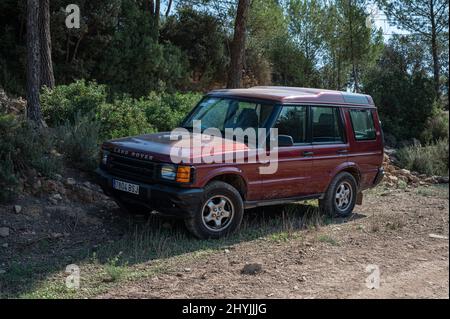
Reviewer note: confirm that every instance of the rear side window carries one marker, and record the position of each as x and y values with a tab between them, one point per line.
362	123
326	125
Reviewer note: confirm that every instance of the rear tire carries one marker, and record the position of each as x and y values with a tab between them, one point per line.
340	197
220	212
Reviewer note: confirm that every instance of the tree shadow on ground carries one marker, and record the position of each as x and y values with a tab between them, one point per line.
132	240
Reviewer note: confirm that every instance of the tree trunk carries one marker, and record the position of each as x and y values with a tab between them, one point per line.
352	52
33	62
434	51
169	7
238	45
47	76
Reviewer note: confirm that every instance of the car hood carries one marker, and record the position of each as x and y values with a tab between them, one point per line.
159	146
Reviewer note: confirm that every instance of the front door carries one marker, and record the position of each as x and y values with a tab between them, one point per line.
293	176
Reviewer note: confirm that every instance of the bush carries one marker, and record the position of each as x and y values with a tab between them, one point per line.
124	117
64	102
24	147
431	159
8	180
165	111
78	141
436	128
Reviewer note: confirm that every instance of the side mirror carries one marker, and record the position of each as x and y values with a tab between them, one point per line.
285	141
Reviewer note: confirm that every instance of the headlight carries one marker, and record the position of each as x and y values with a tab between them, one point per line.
168	172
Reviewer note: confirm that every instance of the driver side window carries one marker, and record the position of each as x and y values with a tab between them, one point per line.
292	121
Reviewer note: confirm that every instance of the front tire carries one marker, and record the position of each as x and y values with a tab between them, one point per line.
340	198
220	212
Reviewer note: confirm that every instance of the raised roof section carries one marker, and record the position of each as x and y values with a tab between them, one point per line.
285	95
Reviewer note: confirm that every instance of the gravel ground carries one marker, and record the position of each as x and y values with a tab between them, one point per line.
390	231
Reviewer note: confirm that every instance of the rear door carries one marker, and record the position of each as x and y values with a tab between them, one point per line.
366	141
293	176
330	145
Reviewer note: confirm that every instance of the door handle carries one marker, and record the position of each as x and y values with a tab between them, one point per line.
342	151
308	154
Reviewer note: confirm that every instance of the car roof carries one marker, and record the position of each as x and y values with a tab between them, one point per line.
297	95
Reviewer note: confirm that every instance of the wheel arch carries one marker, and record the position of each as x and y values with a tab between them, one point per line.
350	168
233	179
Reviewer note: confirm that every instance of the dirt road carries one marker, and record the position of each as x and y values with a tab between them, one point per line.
390	231
286	252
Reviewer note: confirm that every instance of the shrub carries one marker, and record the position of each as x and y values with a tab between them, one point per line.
431	159
64	102
123	117
27	146
165	111
78	141
23	147
436	127
8	180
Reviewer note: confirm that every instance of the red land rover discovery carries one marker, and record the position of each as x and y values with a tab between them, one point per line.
330	147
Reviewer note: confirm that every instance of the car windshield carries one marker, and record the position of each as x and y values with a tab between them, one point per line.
223	113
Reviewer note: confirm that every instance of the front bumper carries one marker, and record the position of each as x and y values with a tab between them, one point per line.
166	200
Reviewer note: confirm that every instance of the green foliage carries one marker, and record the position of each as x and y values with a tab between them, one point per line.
266	25
28	146
135	62
307	24
8	180
78	141
114	269
202	38
12	47
429	22
436	127
123	117
166	111
23	147
404	99
130	52
77	53
431	159
65	102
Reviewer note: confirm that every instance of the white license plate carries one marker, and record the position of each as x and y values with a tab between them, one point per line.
126	187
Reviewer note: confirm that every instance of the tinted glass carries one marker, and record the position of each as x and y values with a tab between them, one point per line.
292	122
225	113
326	125
362	123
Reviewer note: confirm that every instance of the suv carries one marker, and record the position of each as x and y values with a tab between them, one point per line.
330	148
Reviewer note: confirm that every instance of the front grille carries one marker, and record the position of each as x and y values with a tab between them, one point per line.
132	168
